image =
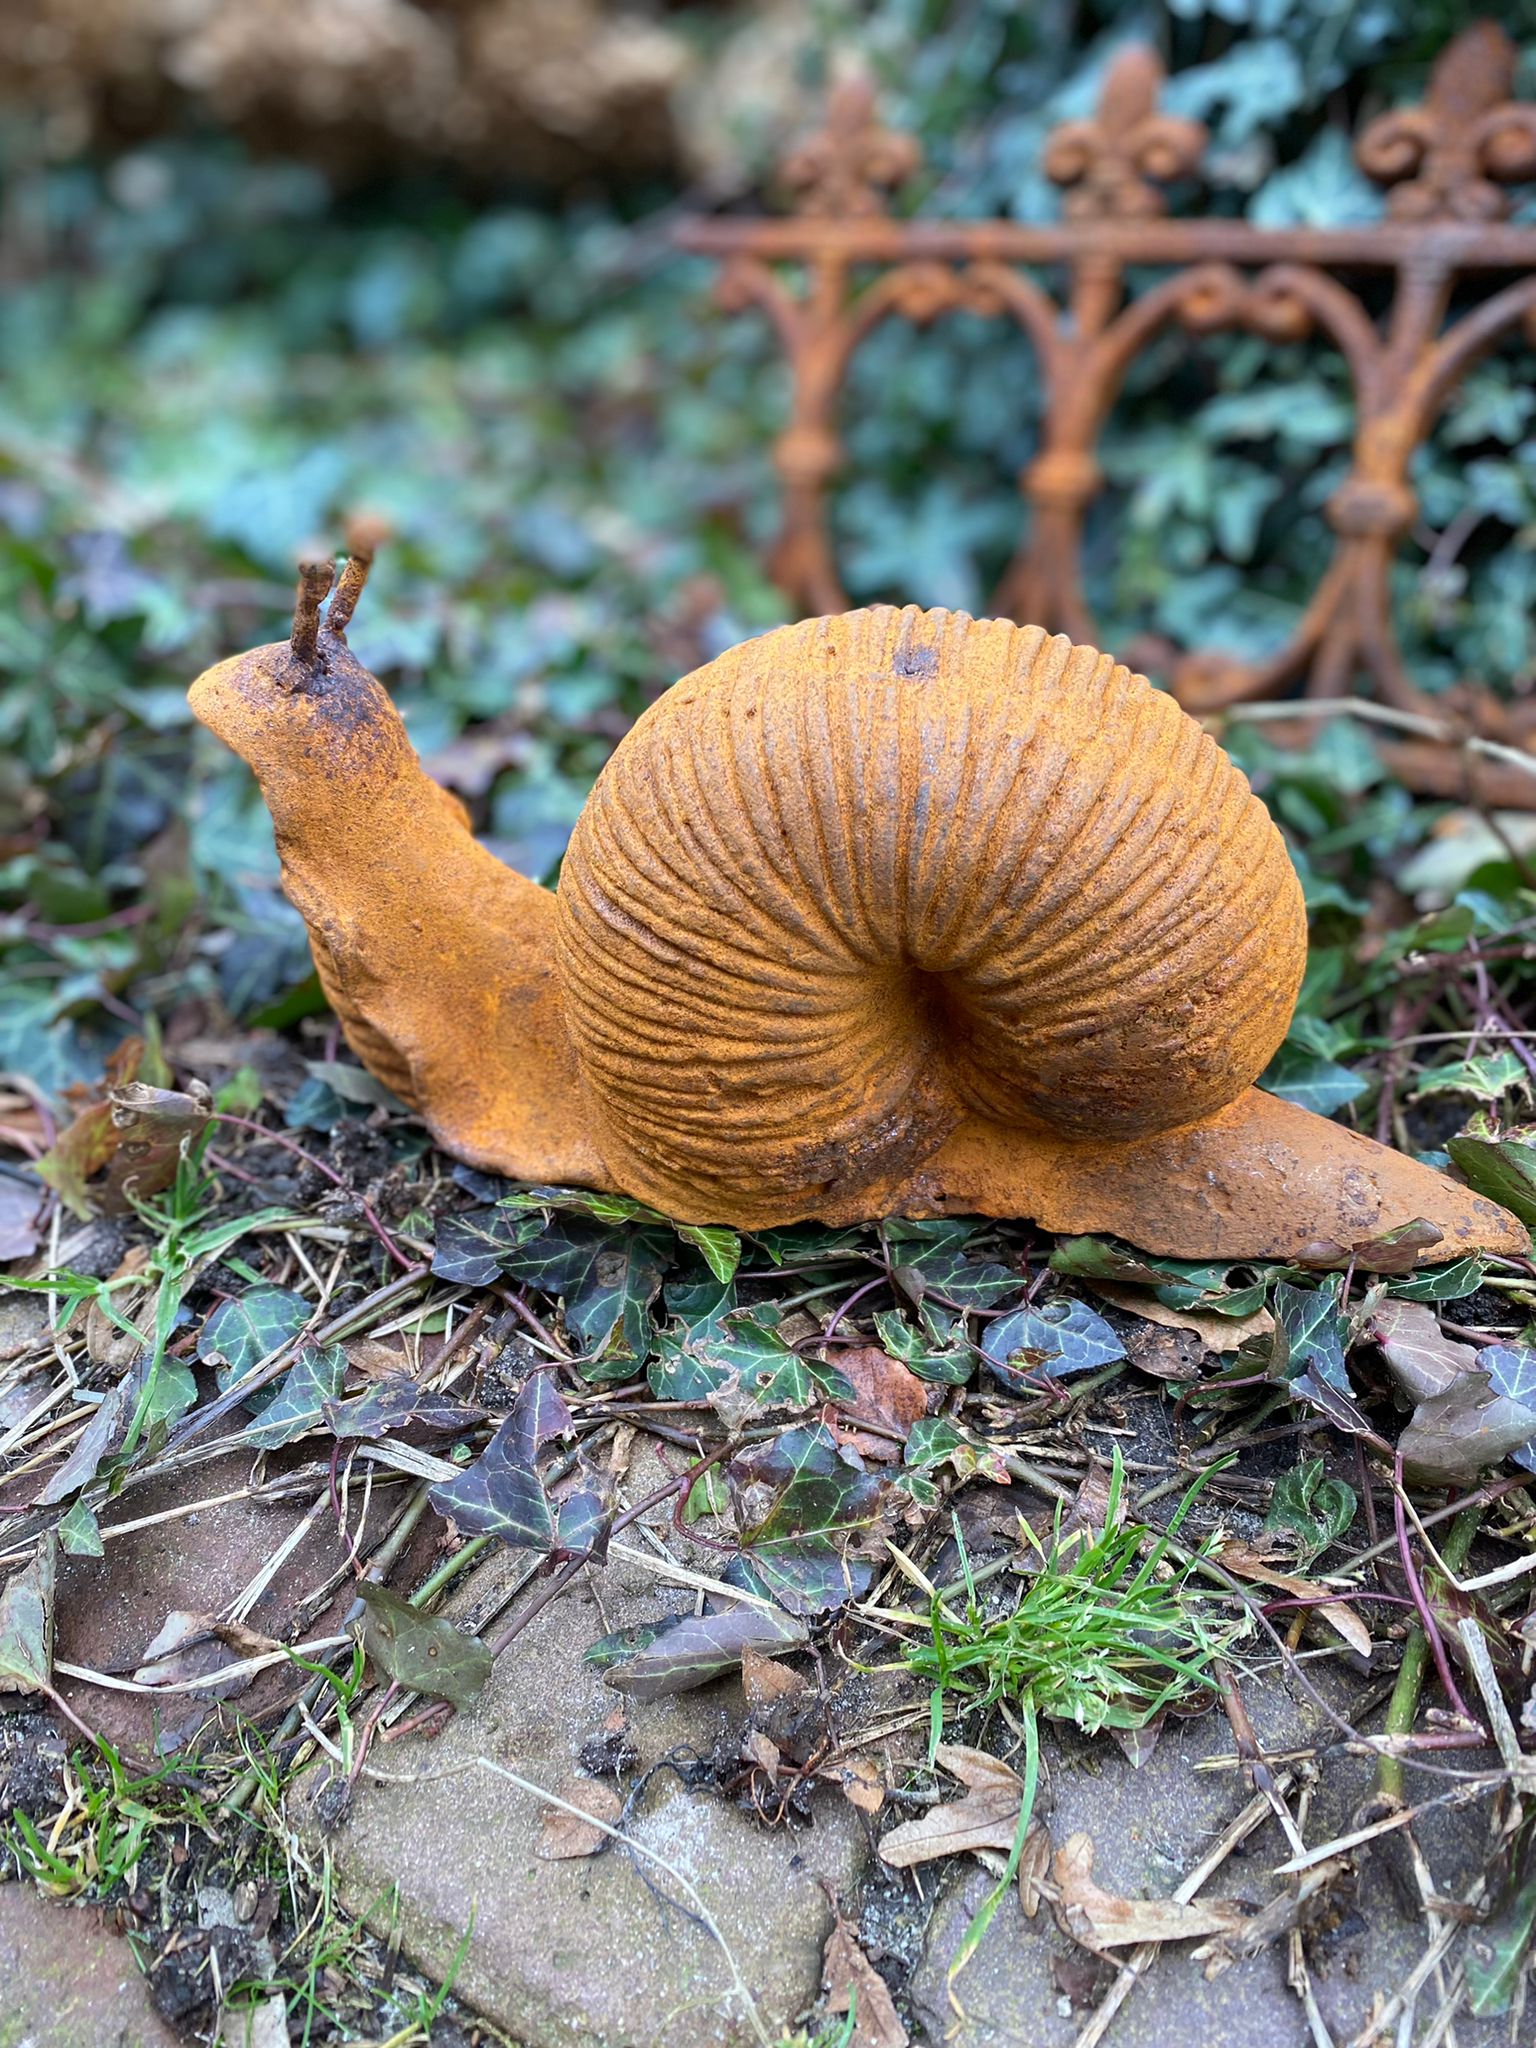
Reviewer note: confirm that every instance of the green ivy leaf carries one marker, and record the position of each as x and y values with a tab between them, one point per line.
1490	1077
80	1533
26	1624
249	1328
934	1256
797	1501
1316	1510
1055	1338
1310	1334
1320	1085
501	1493
1503	1168
688	1650
1441	1283
470	1248
423	1652
313	1380
949	1361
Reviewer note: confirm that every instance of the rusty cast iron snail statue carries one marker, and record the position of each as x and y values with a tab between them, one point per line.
898	912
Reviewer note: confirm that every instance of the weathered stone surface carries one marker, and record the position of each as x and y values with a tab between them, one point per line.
66	1983
1149	1827
585	1954
110	1608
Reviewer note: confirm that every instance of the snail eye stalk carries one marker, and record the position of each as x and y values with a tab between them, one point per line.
364	545
316	576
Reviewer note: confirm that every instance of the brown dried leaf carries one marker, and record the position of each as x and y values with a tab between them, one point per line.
200	1646
1340	1616
150	1128
375	1361
106	1343
850	1980
861	1781
759	1749
986	1818
1090	1504
1100	1920
1034	1867
127	1146
1216	1333
766	1681
887	1395
562	1836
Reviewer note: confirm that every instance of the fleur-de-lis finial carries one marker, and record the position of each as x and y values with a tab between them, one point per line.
1444	159
847	169
1114	163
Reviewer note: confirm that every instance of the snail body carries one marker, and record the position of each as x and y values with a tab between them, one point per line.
897	912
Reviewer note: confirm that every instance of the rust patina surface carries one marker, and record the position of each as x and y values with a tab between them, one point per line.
893	912
1460	277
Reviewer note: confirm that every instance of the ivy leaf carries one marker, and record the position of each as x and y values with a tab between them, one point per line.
1178	1283
596	1202
1056	1338
26	1624
582	1519
933	1442
688	1650
1316	1510
813	1579
796	1501
1511	1370
1503	1168
80	1533
1316	1084
248	1328
720	1248
606	1276
932	1256
299	1405
501	1493
743	1353
949	1361
1309	1335
804	1244
1441	1283
470	1248
392	1403
1489	1077
423	1652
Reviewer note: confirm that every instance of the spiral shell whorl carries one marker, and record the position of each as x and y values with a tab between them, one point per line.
868	875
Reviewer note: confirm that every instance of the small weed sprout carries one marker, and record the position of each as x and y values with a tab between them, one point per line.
1109	1629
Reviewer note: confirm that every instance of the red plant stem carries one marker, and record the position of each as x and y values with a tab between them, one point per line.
858	1294
245	1123
1415	1587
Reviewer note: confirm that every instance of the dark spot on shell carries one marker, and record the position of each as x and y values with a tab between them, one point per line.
919	664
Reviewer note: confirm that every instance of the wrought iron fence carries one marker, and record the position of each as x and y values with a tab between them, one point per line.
839	265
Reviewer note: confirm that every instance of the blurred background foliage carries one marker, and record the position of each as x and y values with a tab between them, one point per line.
239	304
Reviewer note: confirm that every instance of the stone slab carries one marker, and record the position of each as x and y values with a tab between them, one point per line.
65	1982
589	1954
1149	1827
110	1608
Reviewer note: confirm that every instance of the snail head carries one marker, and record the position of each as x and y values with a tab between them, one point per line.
304	713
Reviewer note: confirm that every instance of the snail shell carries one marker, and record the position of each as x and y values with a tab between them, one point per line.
868	876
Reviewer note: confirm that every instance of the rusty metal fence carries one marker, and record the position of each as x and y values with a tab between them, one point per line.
833	270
